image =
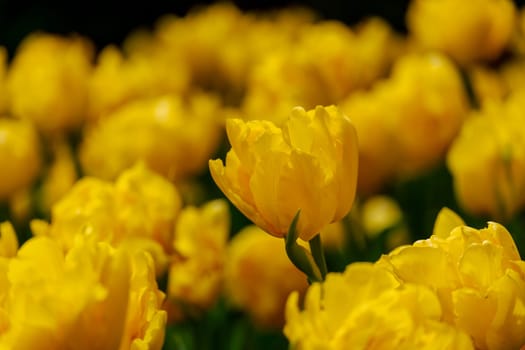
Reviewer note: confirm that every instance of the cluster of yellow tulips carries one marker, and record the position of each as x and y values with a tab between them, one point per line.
235	180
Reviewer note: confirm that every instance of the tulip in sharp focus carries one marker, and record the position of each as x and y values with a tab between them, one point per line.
308	165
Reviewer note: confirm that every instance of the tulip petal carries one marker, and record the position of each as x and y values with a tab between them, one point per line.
480	265
264	186
446	221
302	186
225	178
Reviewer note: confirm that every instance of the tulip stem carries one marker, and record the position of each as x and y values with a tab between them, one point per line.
316	248
300	256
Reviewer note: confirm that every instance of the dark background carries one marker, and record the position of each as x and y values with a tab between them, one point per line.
107	22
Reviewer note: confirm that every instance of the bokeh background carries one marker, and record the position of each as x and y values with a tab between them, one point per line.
107	22
110	22
420	198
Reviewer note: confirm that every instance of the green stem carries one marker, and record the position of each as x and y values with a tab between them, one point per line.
316	248
300	256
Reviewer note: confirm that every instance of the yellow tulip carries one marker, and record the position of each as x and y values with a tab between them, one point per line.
118	78
321	65
473	272
196	271
174	137
47	81
308	165
60	301
145	319
92	297
466	30
20	154
365	307
423	96
137	211
492	182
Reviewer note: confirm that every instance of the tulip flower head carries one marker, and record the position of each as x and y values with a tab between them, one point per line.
308	165
474	272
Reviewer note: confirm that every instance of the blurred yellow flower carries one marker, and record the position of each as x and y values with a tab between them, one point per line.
3	83
8	240
20	154
468	31
197	267
217	56
259	276
517	43
327	61
310	164
21	205
474	272
347	59
511	72
275	85
60	175
377	156
334	236
366	308
145	319
47	81
487	84
92	297
139	210
381	218
57	301
87	209
118	79
147	204
220	58
379	213
377	48
423	96
172	137
487	160
431	100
